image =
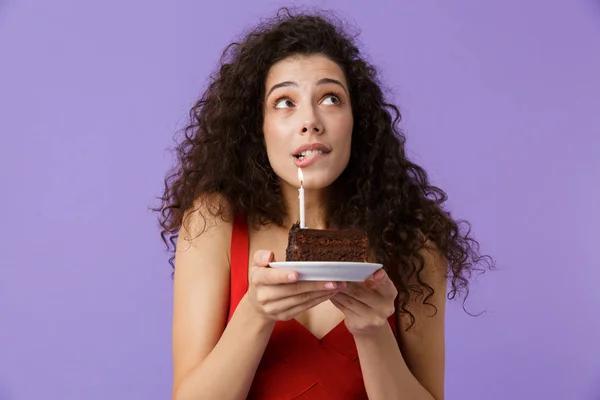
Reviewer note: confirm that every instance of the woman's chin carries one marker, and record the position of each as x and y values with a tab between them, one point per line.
313	185
318	185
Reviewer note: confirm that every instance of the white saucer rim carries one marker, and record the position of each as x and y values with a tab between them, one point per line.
356	264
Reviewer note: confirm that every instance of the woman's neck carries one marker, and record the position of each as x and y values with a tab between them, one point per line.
315	210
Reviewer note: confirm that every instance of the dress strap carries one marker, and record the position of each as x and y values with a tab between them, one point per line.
239	263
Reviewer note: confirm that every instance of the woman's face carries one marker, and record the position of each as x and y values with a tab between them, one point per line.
307	120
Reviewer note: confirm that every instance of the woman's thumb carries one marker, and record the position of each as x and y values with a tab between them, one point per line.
263	258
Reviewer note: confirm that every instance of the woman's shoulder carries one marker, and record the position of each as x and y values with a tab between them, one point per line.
207	225
209	214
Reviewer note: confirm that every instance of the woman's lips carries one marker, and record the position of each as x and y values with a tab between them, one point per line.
308	160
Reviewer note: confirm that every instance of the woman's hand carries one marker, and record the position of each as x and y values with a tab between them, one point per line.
278	295
367	305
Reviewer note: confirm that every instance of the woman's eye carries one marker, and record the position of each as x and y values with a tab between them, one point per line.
331	100
284	103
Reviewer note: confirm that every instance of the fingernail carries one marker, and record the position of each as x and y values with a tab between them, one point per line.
379	274
266	258
330	285
292	277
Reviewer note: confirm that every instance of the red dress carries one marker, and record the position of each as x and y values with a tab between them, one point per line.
295	364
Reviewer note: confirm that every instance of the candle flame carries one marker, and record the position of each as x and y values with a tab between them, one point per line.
300	176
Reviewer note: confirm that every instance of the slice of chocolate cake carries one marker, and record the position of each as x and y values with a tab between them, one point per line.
305	244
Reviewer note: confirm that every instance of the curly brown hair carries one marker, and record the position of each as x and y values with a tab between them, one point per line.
381	191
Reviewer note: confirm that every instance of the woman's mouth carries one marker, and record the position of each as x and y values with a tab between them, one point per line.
308	153
308	157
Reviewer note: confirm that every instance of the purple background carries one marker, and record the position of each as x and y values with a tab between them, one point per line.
501	101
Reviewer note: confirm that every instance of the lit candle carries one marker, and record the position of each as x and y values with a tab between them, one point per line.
301	197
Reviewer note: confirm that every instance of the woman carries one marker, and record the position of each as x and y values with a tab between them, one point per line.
296	92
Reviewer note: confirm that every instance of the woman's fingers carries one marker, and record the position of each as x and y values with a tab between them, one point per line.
290	308
382	284
278	293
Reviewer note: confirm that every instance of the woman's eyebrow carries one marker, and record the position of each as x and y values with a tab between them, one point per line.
282	84
323	81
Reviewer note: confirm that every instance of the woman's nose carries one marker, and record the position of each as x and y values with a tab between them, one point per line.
311	125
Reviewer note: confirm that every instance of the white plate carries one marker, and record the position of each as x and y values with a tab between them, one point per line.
329	270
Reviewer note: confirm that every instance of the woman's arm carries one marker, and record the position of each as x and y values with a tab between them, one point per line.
415	370
211	361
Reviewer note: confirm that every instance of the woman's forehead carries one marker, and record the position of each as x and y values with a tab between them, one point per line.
304	68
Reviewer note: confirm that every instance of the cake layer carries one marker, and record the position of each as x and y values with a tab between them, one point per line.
326	245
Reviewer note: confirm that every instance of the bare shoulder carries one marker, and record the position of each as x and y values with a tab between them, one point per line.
201	284
423	345
200	220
